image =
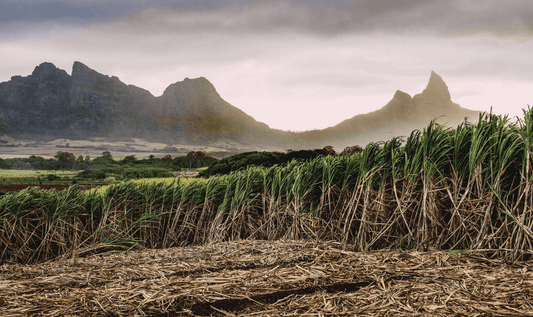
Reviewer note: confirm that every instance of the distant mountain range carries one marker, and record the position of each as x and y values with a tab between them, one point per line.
50	103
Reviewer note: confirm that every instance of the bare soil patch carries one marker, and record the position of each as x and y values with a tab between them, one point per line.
266	278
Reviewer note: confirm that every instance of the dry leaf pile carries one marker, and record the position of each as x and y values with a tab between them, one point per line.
266	278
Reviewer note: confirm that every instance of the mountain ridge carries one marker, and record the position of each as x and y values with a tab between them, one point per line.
399	117
86	104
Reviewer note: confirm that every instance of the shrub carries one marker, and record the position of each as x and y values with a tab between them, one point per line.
52	177
92	174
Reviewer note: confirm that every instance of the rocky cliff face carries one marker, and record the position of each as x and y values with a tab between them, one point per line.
29	104
105	105
52	103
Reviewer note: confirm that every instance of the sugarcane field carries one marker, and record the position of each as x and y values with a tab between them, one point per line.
439	224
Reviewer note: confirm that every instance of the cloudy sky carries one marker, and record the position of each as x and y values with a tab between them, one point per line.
295	65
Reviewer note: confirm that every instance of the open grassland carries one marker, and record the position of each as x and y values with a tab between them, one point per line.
268	278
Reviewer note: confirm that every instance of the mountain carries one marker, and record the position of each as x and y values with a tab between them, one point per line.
50	103
399	117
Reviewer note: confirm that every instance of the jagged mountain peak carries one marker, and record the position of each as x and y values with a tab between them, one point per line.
195	86
437	88
402	96
44	70
81	70
400	105
78	64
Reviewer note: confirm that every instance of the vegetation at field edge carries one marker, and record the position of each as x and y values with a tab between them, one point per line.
65	168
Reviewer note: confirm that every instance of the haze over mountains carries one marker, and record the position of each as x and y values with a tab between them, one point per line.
50	104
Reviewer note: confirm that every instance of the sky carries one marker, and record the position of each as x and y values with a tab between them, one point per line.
294	65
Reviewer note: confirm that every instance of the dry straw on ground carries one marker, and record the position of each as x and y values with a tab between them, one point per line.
268	278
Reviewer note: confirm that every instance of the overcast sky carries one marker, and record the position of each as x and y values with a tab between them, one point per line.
295	65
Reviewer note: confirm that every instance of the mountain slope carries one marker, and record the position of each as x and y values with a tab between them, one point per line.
399	117
194	109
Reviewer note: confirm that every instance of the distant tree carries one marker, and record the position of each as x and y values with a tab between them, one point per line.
352	150
3	163
64	160
167	157
65	156
80	158
200	159
129	159
107	155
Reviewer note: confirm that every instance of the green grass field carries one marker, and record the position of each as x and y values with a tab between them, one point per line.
10	174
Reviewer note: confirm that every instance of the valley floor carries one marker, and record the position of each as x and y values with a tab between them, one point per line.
267	278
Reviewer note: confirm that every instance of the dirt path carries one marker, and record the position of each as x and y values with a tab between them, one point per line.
258	278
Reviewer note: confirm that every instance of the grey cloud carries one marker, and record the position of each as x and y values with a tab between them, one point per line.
88	11
314	18
329	19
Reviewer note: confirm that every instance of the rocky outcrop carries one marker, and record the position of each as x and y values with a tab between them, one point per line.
29	104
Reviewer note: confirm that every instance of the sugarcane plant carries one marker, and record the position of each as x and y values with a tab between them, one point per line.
464	188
